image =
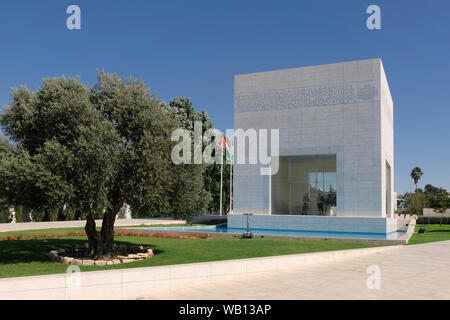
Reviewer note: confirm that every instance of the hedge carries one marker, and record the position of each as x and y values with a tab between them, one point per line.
432	220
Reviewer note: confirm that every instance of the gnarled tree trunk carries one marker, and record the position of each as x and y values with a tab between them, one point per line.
101	243
92	234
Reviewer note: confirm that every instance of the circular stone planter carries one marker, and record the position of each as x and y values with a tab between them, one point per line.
121	254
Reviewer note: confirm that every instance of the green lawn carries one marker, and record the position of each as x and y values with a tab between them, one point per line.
29	257
434	232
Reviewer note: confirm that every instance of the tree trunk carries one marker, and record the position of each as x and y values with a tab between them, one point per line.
92	234
27	214
61	213
46	216
77	215
53	214
101	243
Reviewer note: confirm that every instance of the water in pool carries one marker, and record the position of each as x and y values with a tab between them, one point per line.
300	233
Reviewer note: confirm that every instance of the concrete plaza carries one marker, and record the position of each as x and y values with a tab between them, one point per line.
407	272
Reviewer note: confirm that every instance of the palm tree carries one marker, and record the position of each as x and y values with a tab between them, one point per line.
416	174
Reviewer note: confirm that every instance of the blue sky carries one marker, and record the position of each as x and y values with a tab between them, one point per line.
194	49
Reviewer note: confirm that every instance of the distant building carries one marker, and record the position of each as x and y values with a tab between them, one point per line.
401	201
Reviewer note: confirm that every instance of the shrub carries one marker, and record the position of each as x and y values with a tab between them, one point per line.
416	203
4	214
432	220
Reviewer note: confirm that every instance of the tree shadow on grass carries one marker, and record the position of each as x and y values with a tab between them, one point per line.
36	250
33	250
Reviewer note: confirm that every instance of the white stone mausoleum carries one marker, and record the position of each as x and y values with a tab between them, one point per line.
336	149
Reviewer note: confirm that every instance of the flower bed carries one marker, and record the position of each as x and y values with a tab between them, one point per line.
117	234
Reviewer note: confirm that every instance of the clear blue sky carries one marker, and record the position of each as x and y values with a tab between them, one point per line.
193	48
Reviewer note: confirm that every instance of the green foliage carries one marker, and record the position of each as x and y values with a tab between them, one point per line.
432	190
143	172
25	180
432	220
58	110
437	201
83	152
5	147
306	204
208	196
88	148
4	215
19	213
190	194
212	186
415	203
45	124
441	207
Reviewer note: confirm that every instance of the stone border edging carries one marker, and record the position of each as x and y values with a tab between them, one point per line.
409	232
62	256
132	283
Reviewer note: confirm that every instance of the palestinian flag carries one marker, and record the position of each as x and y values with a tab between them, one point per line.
228	147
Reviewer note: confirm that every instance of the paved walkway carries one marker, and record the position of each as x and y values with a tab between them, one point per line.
6	227
409	272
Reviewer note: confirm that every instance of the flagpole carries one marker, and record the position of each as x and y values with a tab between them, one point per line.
221	177
231	186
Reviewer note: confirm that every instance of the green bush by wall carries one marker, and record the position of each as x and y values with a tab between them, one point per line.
432	220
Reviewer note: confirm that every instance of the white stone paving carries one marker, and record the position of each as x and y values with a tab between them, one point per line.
409	272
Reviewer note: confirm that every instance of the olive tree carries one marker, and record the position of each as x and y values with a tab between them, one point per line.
92	148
